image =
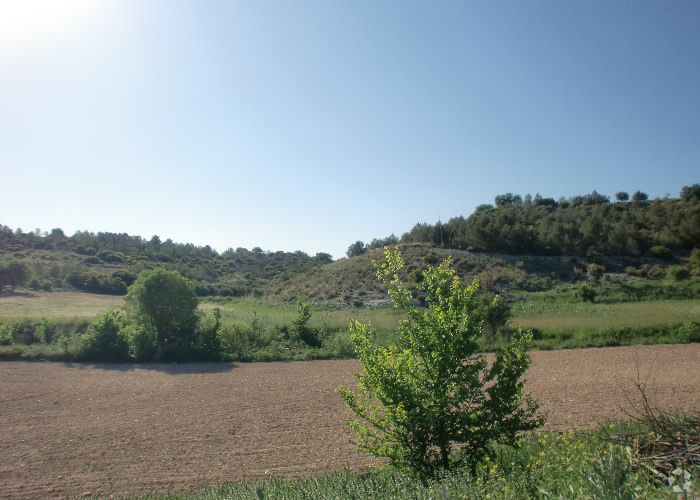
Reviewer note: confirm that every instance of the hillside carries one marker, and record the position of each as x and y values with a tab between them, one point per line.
109	262
583	226
519	245
352	282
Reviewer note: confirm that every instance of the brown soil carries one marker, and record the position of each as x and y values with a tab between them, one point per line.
125	429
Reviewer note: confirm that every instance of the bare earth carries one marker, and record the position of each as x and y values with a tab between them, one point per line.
126	429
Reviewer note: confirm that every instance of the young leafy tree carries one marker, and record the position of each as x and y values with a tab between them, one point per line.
432	403
301	331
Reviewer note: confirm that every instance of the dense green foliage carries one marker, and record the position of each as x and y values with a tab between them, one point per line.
166	302
106	339
14	273
582	225
431	404
109	262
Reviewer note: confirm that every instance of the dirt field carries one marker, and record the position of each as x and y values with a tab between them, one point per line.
125	429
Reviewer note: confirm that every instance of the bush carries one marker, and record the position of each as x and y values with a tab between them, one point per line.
142	342
695	258
81	249
107	256
45	331
238	341
433	404
678	273
6	336
19	332
661	252
301	331
127	277
105	339
498	314
96	283
595	272
208	345
431	258
655	271
587	292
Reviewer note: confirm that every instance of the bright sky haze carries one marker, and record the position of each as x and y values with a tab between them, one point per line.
308	125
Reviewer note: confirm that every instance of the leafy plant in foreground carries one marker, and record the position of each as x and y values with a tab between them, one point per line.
431	404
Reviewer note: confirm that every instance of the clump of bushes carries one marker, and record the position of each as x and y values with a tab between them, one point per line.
678	273
646	271
595	272
661	252
587	293
96	283
106	339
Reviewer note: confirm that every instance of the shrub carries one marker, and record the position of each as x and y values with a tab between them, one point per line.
655	271
678	273
208	345
91	260
695	258
432	404
661	252
96	283
301	331
6	337
431	258
587	292
595	272
45	331
18	332
142	342
498	314
237	341
128	277
107	256
105	339
81	249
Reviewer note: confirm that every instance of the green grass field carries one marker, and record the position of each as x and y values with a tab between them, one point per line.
56	305
535	313
576	315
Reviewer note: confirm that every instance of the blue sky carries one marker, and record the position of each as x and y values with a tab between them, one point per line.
308	125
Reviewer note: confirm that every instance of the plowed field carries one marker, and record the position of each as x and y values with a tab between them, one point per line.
125	429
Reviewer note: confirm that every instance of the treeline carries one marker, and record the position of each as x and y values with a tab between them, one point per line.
94	257
579	226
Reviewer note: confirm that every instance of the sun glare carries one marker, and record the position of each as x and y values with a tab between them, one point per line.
28	22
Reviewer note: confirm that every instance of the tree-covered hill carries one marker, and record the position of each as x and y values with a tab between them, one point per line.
579	226
525	244
109	262
352	282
